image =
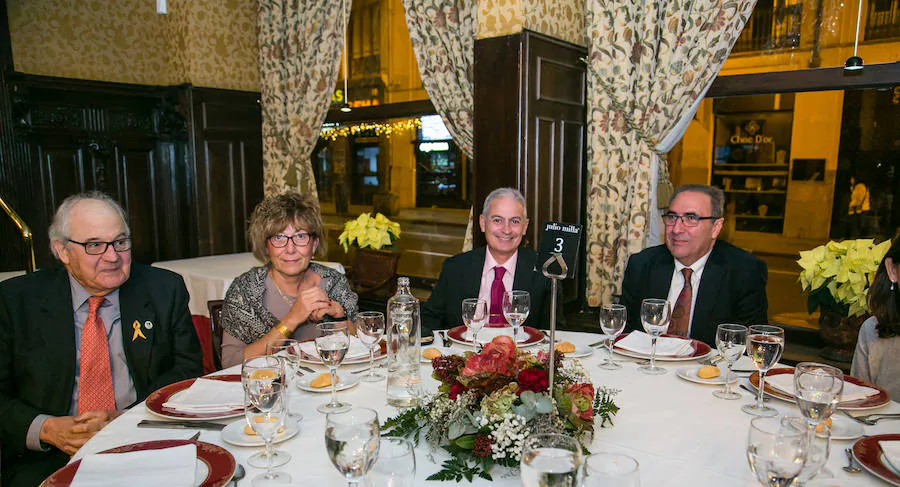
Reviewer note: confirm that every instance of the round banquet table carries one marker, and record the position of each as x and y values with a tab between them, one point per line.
677	431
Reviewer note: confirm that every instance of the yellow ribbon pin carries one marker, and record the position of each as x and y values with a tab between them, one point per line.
137	331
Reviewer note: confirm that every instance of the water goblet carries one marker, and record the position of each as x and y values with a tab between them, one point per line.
776	450
612	322
474	316
395	466
655	315
265	413
288	351
332	343
765	344
261	373
369	329
817	390
818	447
352	441
611	470
550	459
731	340
516	306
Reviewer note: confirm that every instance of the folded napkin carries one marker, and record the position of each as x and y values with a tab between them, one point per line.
488	334
172	467
357	349
208	396
852	392
640	342
891	452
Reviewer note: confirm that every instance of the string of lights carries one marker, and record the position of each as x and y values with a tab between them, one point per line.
386	129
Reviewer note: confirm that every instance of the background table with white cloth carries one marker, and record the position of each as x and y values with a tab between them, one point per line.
678	432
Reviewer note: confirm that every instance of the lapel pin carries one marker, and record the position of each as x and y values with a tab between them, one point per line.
137	331
148	325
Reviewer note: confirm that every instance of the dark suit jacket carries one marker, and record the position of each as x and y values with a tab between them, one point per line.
37	354
461	278
732	288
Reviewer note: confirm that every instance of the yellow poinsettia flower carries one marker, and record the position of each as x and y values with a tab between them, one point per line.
366	231
845	269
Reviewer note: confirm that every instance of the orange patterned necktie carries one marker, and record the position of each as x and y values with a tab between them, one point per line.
681	315
95	387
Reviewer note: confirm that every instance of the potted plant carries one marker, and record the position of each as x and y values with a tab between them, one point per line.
837	276
374	264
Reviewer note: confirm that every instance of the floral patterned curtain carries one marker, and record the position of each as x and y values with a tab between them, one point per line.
300	44
648	62
443	38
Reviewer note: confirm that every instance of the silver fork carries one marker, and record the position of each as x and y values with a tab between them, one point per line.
871	419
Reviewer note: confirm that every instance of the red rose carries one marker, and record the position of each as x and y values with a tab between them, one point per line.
482	446
457	389
534	380
497	357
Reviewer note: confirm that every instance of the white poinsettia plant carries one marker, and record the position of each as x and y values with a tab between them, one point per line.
366	231
838	274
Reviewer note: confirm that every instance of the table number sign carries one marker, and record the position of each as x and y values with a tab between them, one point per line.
560	238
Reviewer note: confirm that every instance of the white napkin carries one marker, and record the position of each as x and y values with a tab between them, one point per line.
208	396
172	467
891	451
485	335
640	342
852	392
357	349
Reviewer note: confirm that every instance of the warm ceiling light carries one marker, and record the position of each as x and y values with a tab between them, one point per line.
854	62
345	107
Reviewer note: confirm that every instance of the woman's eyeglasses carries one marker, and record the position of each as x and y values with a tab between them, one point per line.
299	239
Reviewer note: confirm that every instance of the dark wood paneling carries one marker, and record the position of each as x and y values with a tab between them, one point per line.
821	79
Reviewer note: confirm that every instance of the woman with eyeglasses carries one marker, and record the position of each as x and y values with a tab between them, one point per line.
283	298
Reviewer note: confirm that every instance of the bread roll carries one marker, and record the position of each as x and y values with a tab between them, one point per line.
565	347
323	380
259	419
431	353
708	372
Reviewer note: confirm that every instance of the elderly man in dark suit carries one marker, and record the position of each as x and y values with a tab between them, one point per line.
78	345
707	282
487	272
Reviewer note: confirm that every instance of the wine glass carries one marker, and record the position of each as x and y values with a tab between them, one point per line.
765	343
395	466
776	450
818	447
369	329
288	350
352	441
265	411
611	470
612	322
261	372
550	459
655	314
474	315
516	305
332	343
817	390
731	340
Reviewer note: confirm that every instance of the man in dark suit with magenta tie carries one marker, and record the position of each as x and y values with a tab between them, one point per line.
708	282
487	272
78	345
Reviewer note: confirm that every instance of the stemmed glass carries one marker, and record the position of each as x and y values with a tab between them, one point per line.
612	322
265	411
369	329
550	459
352	441
474	316
259	373
731	340
655	315
611	470
288	350
776	450
765	344
817	390
516	305
332	343
395	466
818	447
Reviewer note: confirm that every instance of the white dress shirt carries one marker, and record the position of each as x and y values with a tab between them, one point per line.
678	283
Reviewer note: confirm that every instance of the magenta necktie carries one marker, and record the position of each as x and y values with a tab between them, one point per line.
681	315
497	291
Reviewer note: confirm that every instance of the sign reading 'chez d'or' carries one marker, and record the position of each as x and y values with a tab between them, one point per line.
752	139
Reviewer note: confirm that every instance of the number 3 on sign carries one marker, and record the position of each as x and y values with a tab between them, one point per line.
559	245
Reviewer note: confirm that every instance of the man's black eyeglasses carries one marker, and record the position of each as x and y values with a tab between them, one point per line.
299	239
97	248
688	219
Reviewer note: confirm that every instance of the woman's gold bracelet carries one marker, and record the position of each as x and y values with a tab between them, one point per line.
285	332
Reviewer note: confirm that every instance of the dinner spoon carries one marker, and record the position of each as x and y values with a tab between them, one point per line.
239	473
852	466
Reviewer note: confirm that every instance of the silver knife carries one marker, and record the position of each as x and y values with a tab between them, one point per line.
205	425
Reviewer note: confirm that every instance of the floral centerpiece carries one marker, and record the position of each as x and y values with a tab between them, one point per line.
488	403
366	231
838	274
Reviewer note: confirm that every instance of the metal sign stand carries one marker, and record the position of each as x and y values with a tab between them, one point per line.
554	278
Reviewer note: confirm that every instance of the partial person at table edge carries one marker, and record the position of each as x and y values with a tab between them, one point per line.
289	294
724	284
878	346
102	324
502	265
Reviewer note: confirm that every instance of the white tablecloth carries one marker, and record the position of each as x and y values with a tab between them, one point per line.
679	433
9	275
207	278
